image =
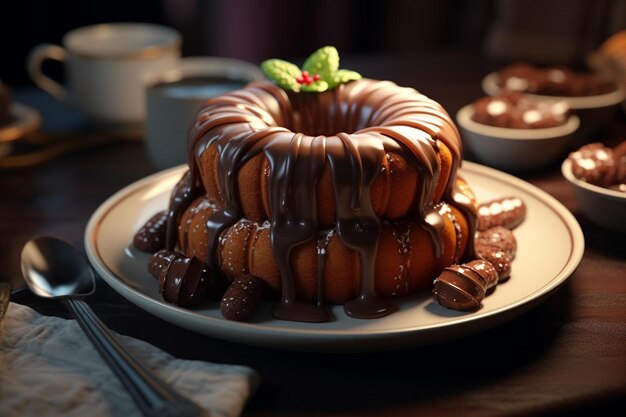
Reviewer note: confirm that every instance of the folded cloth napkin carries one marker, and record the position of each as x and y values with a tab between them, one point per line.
48	367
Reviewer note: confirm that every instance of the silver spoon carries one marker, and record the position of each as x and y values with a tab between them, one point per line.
54	269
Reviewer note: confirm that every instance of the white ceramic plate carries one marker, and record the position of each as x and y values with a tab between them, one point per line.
550	242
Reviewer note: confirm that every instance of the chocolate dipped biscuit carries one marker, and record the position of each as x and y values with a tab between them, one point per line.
508	212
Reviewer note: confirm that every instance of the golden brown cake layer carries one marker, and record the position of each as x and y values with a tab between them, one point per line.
405	257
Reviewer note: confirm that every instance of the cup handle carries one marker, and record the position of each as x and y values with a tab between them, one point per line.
36	58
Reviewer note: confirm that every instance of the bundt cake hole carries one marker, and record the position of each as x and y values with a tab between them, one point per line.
315	115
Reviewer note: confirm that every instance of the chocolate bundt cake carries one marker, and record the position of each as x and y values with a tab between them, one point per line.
347	196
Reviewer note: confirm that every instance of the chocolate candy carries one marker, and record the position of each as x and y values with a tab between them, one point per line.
619	154
619	151
595	164
160	261
463	287
512	110
600	165
552	81
242	298
151	236
498	246
486	271
496	239
500	262
507	212
185	281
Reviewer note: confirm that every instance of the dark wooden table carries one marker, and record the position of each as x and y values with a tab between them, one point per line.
565	357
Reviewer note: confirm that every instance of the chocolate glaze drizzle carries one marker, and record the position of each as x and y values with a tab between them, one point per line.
350	128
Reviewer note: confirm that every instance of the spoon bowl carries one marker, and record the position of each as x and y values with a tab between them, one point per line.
52	268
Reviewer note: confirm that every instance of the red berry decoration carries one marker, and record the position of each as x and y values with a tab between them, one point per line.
305	78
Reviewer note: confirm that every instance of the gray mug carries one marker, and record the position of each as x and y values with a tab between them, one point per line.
175	96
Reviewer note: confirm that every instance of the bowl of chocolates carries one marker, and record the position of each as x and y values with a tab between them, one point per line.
597	174
514	133
594	99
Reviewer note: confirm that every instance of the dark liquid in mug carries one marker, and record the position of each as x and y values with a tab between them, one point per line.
197	87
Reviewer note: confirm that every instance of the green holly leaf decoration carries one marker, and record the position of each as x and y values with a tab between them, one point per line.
315	87
319	73
324	61
282	73
341	77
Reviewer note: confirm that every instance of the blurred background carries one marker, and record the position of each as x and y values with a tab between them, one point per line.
541	31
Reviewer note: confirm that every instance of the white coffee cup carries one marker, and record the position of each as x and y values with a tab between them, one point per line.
174	98
104	65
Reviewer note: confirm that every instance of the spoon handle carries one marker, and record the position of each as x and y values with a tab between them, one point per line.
153	396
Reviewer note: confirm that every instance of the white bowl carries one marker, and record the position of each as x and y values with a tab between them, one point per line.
515	149
593	111
603	206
